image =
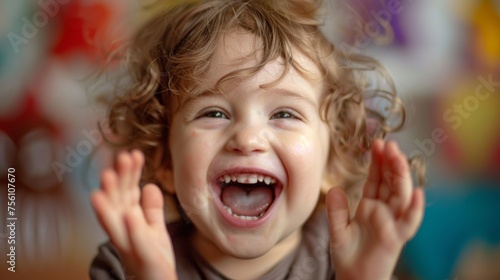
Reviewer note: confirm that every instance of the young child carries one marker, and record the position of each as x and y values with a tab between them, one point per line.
244	111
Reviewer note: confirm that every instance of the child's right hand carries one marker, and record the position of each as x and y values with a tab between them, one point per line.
134	220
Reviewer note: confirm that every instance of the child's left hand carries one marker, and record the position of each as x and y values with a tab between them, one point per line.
388	215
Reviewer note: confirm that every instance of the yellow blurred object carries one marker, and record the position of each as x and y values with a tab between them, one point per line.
471	115
486	22
479	261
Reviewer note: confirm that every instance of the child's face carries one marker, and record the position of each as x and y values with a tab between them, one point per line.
223	146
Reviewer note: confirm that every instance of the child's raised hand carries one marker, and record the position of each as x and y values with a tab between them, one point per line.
134	219
388	215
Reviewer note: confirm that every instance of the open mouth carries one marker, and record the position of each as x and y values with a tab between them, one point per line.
248	196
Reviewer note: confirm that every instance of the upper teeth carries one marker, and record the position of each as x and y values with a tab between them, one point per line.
245	178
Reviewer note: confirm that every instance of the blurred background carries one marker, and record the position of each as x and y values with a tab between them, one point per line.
444	57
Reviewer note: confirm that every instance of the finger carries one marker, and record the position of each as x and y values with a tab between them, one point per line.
137	163
109	219
139	234
370	189
382	225
338	216
393	170
384	190
124	170
129	189
412	218
399	182
109	185
152	205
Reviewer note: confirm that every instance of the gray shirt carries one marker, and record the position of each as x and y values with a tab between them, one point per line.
310	260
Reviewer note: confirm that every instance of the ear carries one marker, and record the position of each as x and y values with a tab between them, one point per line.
164	173
166	178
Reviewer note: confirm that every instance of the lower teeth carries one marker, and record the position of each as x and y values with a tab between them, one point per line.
247	218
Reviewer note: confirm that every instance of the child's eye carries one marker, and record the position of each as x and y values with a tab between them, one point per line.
213	114
284	114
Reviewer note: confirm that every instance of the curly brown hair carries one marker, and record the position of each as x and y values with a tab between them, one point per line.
173	50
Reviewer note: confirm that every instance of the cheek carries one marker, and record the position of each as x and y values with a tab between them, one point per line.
302	146
192	152
307	155
301	160
191	161
307	149
185	147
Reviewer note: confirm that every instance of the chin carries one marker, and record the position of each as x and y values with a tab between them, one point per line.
246	252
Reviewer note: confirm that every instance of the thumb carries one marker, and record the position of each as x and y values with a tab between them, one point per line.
338	216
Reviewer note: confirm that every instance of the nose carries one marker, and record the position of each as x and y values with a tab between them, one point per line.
248	139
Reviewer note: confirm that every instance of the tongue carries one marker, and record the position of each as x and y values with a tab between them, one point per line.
250	201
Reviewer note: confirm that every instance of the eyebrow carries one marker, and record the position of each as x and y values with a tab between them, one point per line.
293	94
277	91
196	98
